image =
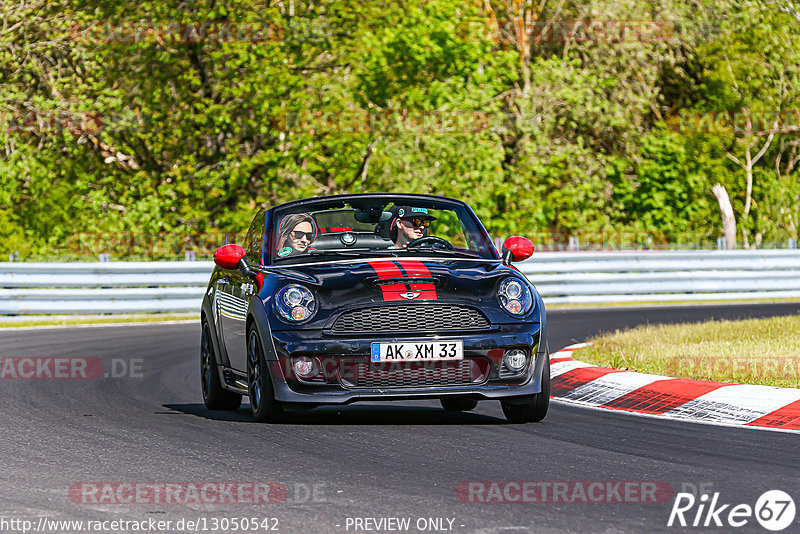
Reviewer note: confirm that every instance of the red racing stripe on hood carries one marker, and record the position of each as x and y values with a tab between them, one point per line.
414	268
417	269
411	291
387	270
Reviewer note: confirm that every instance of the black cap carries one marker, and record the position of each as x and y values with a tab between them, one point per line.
411	212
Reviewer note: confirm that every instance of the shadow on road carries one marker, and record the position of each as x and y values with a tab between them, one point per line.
350	415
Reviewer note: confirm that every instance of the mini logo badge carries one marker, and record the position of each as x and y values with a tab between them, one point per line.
285	251
410	295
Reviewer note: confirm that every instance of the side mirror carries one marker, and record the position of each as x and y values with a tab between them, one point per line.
516	248
229	256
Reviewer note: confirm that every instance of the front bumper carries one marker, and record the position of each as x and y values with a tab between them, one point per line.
335	384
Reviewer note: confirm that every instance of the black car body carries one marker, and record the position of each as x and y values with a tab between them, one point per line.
368	322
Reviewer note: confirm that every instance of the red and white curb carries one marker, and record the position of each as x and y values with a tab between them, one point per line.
676	398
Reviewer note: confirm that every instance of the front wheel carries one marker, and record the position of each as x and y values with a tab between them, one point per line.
215	396
536	406
263	405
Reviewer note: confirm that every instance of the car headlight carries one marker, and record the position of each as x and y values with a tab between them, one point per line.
295	303
515	296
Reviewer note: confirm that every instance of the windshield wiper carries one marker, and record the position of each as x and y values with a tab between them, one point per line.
317	253
365	252
442	251
337	252
354	253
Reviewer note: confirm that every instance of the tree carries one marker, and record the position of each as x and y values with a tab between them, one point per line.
751	71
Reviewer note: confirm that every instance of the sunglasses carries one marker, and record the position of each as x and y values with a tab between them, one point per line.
298	235
419	222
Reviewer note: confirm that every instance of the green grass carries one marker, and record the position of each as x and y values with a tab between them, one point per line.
57	320
753	351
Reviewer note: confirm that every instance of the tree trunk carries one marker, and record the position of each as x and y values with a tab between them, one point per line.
748	165
728	220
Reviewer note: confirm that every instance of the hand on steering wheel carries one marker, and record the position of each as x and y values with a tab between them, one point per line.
432	241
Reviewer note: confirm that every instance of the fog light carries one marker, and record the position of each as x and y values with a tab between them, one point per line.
515	359
304	367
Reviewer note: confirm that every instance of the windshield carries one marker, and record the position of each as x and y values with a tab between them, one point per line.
370	227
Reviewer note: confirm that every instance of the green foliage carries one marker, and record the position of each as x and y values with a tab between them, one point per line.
667	191
116	118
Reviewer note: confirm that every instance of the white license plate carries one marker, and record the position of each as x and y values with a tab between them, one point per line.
405	351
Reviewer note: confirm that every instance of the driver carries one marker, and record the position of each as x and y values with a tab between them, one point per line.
410	223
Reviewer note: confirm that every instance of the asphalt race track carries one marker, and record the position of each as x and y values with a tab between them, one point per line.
364	461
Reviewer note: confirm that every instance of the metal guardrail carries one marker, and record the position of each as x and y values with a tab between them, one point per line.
561	277
106	287
601	277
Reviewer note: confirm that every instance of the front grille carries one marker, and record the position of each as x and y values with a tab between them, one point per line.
410	318
413	374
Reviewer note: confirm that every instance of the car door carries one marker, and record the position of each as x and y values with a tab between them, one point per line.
234	296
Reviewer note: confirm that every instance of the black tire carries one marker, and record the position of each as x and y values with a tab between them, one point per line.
458	405
264	407
535	409
215	396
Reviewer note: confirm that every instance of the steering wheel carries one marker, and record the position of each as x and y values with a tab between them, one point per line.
432	241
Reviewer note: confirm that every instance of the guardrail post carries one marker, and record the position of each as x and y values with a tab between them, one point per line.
104	257
721	244
189	255
574	244
792	243
13	256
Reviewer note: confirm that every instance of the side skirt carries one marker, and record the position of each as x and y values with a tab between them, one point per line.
233	381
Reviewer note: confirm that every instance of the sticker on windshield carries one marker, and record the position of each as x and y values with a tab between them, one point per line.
285	251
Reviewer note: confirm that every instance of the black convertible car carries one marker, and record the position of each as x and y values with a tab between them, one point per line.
373	297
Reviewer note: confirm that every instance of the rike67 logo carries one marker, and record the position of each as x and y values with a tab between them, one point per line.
774	510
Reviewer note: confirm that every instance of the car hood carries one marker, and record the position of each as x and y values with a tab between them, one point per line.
340	286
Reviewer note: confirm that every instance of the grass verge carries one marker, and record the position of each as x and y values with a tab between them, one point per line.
752	351
58	320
